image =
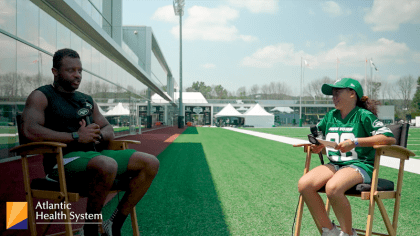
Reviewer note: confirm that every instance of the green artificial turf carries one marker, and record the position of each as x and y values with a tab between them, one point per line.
214	181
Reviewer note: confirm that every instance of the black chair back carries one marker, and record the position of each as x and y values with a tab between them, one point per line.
400	132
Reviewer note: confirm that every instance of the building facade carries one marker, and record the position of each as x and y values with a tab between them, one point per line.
114	71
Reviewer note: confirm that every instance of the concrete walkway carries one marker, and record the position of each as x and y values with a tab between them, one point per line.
411	165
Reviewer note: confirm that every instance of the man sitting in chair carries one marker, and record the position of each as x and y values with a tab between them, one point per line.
59	113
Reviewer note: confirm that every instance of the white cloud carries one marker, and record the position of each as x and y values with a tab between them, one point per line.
383	51
333	9
208	66
257	6
166	14
311	12
211	24
388	15
283	53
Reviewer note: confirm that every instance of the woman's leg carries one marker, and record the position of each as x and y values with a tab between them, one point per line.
335	188
308	186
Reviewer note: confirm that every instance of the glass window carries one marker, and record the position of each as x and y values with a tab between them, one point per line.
97	17
103	66
28	21
87	7
86	56
96	61
7	65
107	27
76	43
28	67
86	86
63	36
46	65
8	16
97	4
79	2
47	32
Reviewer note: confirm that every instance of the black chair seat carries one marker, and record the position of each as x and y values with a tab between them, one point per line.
49	185
383	185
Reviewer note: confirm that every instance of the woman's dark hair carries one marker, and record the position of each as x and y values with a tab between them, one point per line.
368	104
60	54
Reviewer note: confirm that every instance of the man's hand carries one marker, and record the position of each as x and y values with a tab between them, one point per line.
88	134
346	146
317	148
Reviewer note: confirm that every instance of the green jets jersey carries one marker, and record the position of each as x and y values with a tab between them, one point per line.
358	123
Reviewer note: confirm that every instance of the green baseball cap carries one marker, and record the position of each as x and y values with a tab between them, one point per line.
327	89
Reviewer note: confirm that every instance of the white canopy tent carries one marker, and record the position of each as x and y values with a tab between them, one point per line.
258	117
229	111
283	109
118	110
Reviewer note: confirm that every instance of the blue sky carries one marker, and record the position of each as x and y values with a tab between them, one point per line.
239	43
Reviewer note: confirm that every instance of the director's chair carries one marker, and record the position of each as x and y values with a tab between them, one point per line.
378	189
42	188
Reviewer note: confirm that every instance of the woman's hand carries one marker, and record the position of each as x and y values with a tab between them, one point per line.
346	146
317	148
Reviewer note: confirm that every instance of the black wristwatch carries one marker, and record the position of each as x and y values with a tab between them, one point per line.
75	136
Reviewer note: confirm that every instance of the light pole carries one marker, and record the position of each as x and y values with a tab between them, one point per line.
179	11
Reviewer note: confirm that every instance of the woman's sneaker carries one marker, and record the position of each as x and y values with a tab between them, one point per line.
354	233
331	232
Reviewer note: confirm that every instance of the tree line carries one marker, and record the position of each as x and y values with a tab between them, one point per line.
403	93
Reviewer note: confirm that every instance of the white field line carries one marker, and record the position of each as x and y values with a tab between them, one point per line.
411	165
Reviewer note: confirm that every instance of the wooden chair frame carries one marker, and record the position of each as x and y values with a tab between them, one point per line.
374	196
63	195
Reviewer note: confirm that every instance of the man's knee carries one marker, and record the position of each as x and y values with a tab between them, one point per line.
103	165
149	163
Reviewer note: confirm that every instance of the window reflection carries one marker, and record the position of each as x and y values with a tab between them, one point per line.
28	21
7	66
86	56
46	65
28	68
8	16
87	7
76	43
63	36
47	32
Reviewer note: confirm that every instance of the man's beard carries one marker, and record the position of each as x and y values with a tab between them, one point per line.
65	84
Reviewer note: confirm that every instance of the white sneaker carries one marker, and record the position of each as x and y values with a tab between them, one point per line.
354	233
331	232
107	226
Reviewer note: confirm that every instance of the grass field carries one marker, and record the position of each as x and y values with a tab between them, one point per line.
214	181
302	133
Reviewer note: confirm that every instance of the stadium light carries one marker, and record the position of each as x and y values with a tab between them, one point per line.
179	11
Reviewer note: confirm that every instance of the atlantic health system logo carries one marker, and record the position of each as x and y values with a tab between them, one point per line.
17	215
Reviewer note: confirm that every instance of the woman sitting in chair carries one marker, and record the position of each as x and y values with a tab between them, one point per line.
354	126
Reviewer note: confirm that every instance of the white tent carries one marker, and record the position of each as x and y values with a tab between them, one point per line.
228	111
118	110
258	117
282	109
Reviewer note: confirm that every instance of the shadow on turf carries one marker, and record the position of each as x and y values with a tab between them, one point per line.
191	130
182	199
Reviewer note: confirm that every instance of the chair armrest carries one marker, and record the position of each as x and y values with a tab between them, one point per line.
120	144
394	151
38	148
305	146
302	145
